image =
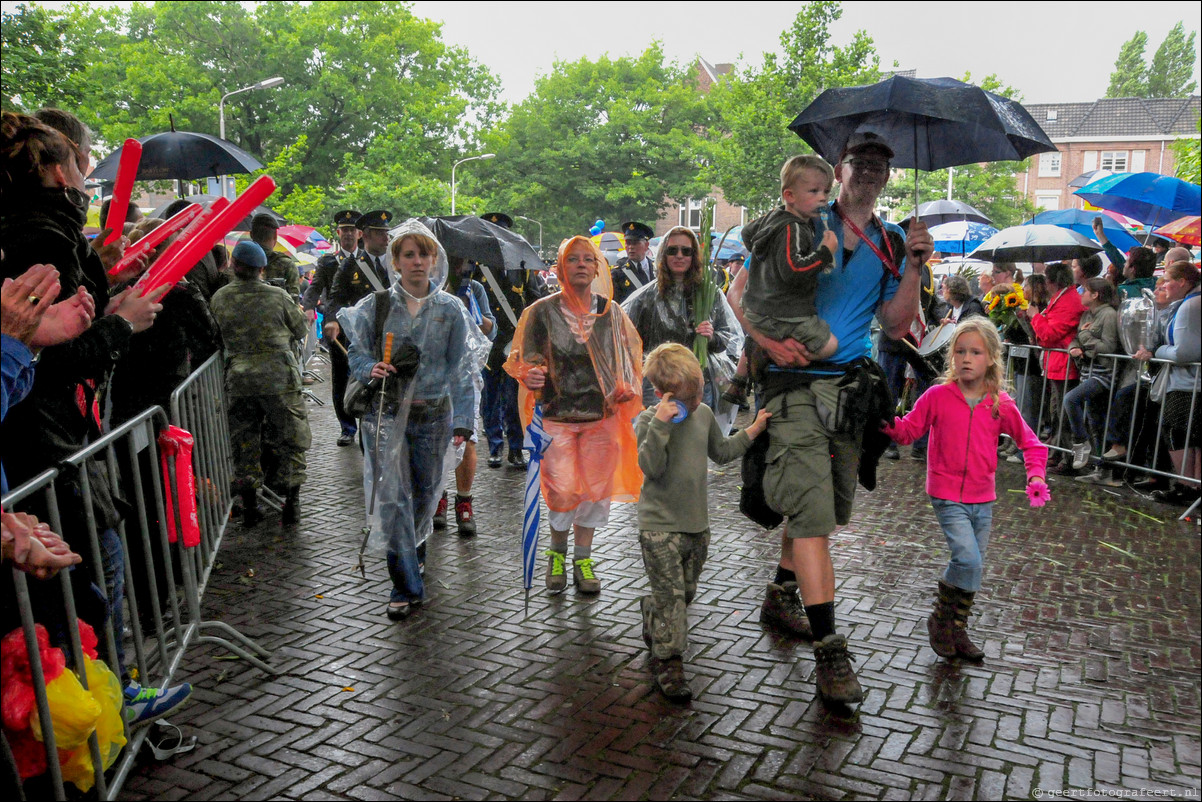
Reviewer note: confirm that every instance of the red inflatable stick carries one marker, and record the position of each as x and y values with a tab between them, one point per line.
176	444
169	252
212	232
123	189
152	240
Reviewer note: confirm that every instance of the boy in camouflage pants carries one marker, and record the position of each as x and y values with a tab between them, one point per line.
674	439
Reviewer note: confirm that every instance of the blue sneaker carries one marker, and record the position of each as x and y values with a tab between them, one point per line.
144	705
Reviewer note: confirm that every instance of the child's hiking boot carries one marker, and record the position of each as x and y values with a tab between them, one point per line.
584	578
463	516
783	611
835	678
557	580
440	514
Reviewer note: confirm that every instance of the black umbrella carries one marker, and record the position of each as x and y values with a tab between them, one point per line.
930	123
935	213
205	200
467	236
181	155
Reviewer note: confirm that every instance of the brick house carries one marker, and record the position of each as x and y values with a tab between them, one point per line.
1118	134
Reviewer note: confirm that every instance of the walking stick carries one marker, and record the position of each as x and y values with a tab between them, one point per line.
375	457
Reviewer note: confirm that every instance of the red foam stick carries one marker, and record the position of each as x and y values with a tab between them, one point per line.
168	254
204	239
152	240
131	155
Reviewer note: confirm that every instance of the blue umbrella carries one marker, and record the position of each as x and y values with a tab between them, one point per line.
1082	222
1148	197
961	236
538	446
731	246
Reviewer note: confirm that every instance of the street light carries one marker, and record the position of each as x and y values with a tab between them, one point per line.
267	83
540	233
456	164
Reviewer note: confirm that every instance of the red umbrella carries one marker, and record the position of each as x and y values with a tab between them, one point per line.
296	236
1185	231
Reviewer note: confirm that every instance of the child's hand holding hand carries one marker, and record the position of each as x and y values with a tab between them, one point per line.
759	424
830	241
665	410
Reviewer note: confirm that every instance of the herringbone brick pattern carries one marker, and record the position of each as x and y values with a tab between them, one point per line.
1090	618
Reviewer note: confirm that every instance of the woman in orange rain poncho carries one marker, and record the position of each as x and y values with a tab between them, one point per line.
578	352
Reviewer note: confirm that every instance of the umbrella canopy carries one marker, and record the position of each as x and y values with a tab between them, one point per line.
1148	197
1035	243
609	241
304	238
182	155
1088	178
930	123
243	225
938	212
538	442
960	236
732	246
466	236
1184	230
1082	222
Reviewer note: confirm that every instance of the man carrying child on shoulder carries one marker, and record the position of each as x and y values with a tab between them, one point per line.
674	439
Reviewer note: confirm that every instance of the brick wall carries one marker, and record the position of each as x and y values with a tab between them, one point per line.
1075	159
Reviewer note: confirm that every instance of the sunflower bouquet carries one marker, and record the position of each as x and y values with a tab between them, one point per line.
1002	302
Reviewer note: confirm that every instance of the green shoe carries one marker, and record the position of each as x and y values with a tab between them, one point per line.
583	577
557	580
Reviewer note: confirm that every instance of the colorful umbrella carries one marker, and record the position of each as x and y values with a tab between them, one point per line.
1038	243
1082	222
1148	197
1185	231
538	442
300	236
610	241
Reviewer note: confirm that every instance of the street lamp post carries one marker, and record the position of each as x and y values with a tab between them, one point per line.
456	164
540	233
267	83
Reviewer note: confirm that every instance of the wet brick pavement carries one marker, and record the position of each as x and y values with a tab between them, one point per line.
1089	616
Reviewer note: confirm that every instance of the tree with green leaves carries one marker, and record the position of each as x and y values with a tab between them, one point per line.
753	106
613	139
1130	76
1187	153
1172	68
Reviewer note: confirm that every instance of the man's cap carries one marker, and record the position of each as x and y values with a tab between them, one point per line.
380	218
264	220
636	231
249	253
347	217
499	219
863	140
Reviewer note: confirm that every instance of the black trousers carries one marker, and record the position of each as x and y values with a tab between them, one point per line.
339	371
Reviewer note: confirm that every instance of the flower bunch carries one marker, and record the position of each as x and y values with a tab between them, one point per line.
1001	303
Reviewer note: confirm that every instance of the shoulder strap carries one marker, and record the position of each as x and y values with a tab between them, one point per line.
381	316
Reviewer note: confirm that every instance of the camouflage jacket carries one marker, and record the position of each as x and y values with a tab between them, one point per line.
260	325
281	266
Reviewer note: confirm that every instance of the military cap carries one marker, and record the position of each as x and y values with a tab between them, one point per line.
249	253
264	220
346	218
637	231
377	219
498	218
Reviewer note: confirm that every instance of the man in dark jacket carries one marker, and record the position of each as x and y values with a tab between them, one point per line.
634	269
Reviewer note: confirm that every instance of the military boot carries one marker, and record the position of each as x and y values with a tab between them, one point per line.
836	680
782	610
964	646
251	515
942	621
292	512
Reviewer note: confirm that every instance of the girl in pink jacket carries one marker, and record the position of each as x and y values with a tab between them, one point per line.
965	414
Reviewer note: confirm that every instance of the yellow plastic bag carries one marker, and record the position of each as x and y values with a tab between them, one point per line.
73	711
105	689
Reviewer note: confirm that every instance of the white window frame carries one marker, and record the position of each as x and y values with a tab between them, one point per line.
1049	165
1116	161
690	211
1047	201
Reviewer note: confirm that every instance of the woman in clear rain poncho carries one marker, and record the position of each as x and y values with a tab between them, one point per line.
579	353
662	312
428	401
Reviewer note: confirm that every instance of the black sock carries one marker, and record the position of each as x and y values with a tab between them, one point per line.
822	619
460	498
784	575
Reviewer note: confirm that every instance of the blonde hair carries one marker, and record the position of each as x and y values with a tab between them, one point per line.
425	245
795	166
672	368
994	380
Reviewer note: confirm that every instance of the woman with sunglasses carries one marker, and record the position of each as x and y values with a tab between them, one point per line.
662	312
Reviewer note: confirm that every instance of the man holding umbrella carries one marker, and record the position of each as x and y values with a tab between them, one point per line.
877	273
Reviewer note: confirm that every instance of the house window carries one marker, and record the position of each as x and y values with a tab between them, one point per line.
1049	165
1048	202
1114	160
690	214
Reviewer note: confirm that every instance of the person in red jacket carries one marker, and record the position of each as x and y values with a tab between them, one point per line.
1055	328
965	414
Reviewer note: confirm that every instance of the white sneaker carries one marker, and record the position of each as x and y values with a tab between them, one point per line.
1100	476
1080	455
1016	458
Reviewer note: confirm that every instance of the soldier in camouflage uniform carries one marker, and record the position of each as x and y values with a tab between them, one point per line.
260	325
281	269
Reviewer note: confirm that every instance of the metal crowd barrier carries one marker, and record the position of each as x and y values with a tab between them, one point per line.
1042	407
309	352
164	614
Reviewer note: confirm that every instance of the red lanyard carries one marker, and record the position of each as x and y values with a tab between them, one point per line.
888	262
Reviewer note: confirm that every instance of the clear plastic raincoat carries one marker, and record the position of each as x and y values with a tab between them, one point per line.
593	359
409	426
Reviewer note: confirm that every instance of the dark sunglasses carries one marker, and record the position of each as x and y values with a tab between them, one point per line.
683	250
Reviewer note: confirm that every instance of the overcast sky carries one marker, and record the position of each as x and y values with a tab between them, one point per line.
1051	51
